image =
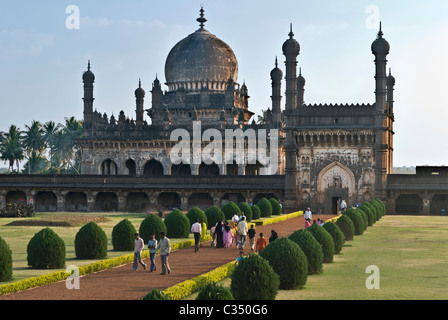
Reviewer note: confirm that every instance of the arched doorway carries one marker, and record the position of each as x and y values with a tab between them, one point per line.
46	201
136	201
153	168
76	201
132	167
106	201
109	167
208	169
169	200
200	200
438	203
181	170
409	204
253	169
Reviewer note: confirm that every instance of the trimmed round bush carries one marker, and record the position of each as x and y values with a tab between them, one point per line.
276	207
357	219
365	219
5	261
46	250
156	294
152	223
311	248
374	210
379	205
254	279
288	261
347	227
123	236
256	212
214	291
230	209
371	218
325	239
244	207
91	242
177	225
213	214
196	213
265	207
336	233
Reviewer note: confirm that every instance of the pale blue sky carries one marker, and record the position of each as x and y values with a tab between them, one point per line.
42	61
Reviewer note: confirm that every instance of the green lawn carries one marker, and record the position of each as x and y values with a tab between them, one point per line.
411	253
18	237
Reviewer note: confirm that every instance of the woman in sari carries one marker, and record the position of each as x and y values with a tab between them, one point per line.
227	235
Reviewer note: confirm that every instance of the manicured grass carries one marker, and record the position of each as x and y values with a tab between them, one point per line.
18	237
410	252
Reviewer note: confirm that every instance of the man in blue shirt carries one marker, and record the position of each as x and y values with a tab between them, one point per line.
152	245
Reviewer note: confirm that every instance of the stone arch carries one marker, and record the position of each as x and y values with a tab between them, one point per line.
253	169
46	201
17	197
132	167
153	168
200	200
106	201
109	167
136	201
181	169
409	204
209	169
76	201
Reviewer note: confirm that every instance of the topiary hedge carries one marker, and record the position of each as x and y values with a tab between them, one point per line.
196	213
365	219
311	248
276	207
265	207
373	209
123	236
325	239
244	207
91	242
379	205
213	214
347	227
46	250
5	261
230	209
371	217
254	279
152	223
156	294
256	212
288	261
177	225
214	291
357	220
336	233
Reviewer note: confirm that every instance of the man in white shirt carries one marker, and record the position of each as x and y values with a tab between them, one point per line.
308	215
165	249
343	206
242	232
196	229
138	247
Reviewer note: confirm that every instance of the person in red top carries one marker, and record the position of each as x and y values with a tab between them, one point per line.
262	242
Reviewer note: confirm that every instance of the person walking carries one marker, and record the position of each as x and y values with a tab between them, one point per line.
165	249
152	245
262	242
227	235
273	236
203	231
196	229
139	244
219	235
242	232
308	216
343	206
251	234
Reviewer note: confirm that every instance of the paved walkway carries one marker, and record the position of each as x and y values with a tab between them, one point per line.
121	283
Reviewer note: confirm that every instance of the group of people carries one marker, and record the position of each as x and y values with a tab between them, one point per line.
163	245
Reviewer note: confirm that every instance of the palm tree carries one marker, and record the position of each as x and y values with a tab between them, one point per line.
34	140
50	129
36	164
11	148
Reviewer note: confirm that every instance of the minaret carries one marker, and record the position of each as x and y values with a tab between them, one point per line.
390	93
390	105
291	50
300	89
380	48
276	77
88	79
140	100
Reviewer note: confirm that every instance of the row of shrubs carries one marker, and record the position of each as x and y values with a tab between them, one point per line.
287	262
46	250
14	210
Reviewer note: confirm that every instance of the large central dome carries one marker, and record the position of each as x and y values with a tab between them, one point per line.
201	60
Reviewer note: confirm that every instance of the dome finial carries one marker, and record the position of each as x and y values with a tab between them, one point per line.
276	62
139	82
380	33
201	19
291	34
88	66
